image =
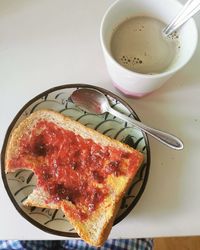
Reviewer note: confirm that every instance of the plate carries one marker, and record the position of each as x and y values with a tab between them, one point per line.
21	183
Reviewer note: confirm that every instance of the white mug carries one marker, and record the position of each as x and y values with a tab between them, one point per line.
136	84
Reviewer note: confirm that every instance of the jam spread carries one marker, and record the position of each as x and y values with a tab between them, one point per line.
70	167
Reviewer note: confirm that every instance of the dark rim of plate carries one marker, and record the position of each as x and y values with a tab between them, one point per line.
66	86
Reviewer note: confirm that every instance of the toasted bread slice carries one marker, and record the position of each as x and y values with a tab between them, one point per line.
78	170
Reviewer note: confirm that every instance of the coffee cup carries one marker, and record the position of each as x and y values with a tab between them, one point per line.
133	82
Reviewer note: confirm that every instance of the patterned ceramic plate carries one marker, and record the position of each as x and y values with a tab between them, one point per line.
21	183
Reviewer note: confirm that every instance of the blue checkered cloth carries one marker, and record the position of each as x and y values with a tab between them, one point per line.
121	244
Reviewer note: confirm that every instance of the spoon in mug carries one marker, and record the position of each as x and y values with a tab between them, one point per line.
96	102
190	8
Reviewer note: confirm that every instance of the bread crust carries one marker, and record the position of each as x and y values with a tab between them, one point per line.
95	229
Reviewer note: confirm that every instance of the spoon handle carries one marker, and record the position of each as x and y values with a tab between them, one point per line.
167	139
190	8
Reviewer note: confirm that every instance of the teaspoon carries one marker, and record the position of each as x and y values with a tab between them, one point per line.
190	8
94	101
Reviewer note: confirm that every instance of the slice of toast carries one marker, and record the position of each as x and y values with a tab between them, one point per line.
78	170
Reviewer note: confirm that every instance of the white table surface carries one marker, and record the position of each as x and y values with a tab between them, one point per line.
44	43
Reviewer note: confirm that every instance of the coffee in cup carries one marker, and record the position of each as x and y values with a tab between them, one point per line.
138	44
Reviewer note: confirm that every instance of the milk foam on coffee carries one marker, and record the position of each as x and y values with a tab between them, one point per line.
138	45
